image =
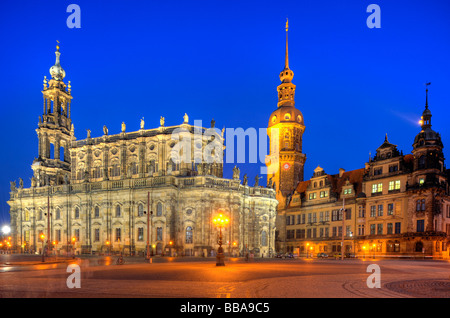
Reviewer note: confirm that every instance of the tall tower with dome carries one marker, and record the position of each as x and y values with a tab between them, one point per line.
286	126
55	129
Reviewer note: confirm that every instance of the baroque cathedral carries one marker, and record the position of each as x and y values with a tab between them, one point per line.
133	190
122	192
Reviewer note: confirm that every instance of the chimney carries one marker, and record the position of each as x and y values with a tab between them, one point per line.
341	172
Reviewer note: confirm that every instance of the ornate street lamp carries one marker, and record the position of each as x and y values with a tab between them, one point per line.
74	239
220	221
149	216
109	248
42	237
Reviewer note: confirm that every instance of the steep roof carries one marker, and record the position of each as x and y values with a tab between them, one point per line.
355	177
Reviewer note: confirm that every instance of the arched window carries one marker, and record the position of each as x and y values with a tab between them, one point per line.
418	205
77	213
58	214
140	209
115	170
189	237
118	214
61	153
423	205
52	151
134	168
159	209
263	238
96	212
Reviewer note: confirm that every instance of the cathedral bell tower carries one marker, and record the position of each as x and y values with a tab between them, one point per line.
55	129
286	127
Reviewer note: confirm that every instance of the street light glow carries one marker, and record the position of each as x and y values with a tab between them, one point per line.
6	229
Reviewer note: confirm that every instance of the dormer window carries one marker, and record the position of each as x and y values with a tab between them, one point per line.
377	171
393	168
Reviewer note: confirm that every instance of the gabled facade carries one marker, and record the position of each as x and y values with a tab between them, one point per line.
396	206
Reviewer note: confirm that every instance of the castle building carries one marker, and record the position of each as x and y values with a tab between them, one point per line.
105	193
396	205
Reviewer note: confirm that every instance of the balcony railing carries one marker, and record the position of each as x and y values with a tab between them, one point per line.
147	182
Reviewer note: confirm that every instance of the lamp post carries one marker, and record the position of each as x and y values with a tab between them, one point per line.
342	211
373	246
307	250
54	243
42	239
74	239
220	221
149	213
364	251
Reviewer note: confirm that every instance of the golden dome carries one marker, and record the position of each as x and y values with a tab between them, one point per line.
286	114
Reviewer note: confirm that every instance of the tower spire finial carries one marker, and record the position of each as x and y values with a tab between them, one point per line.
426	94
286	63
56	71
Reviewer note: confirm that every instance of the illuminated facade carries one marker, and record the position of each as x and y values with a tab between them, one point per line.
99	190
397	205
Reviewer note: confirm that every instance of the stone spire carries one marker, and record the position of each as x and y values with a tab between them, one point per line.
286	91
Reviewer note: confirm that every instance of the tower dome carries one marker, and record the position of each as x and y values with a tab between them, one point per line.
427	136
56	71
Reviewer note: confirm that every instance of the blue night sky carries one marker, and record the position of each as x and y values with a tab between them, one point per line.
221	60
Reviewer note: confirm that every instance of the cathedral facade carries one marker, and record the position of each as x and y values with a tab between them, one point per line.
158	187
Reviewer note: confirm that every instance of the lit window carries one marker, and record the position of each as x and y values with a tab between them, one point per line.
323	194
394	185
391	185
377	187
